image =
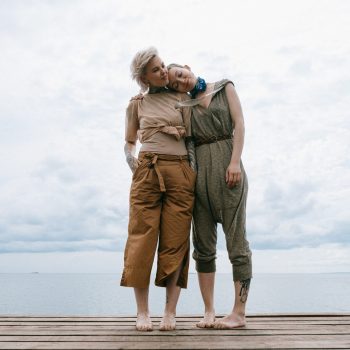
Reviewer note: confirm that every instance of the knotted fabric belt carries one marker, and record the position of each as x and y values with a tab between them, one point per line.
202	141
153	164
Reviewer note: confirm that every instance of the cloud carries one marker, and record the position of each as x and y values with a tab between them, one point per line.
65	85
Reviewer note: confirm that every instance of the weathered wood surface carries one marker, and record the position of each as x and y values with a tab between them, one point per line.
298	331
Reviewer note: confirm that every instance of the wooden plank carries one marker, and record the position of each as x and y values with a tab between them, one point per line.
181	317
313	331
118	324
201	332
178	326
260	343
162	336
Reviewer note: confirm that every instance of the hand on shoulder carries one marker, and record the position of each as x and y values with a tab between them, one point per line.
137	97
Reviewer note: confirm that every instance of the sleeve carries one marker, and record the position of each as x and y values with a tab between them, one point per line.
224	82
132	122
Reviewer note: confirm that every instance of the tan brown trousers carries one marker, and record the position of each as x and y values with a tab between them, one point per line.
161	203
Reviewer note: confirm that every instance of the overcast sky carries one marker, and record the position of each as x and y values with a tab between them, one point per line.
65	83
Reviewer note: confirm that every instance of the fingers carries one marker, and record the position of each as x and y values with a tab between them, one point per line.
137	97
236	178
135	164
232	179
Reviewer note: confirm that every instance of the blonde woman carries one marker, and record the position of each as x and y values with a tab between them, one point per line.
162	190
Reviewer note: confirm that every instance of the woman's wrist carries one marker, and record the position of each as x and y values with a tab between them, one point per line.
235	162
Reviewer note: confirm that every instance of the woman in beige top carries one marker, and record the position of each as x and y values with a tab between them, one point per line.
162	190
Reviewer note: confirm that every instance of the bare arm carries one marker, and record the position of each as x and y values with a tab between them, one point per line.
191	153
131	127
233	172
129	150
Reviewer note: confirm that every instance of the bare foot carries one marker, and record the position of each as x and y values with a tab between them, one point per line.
207	321
231	321
168	323
144	323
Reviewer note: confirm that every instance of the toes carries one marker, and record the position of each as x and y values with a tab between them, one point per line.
144	326
167	326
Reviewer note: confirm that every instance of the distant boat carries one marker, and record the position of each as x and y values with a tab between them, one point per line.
35	272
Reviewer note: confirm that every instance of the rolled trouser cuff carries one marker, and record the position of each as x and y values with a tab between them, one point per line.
206	266
242	273
137	278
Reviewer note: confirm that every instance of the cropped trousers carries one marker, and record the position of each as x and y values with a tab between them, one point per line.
160	213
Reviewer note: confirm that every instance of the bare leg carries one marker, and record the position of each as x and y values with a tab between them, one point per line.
206	284
143	322
237	317
168	322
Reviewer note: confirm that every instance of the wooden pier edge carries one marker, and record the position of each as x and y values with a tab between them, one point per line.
263	331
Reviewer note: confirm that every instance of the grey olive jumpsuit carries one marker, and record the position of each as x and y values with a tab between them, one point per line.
215	202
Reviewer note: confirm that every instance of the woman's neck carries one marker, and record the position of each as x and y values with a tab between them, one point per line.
156	89
210	87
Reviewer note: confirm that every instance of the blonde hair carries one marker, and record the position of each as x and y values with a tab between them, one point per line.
173	65
139	63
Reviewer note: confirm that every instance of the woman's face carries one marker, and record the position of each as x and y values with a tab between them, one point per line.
156	73
182	79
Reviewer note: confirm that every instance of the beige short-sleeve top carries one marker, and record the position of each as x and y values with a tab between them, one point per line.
159	125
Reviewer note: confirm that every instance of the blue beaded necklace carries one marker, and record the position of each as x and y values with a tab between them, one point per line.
200	86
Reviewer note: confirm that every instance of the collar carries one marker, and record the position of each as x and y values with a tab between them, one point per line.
156	89
200	86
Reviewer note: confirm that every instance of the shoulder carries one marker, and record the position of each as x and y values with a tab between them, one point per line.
224	83
133	106
178	96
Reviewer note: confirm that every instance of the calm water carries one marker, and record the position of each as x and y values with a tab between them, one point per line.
100	294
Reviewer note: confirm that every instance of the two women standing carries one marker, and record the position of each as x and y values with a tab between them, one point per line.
212	122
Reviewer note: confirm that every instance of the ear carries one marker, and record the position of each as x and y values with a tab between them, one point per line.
144	80
187	67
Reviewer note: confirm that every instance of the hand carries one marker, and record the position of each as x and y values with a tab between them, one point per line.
137	97
132	162
233	174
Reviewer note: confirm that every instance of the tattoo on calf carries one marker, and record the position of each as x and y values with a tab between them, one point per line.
243	293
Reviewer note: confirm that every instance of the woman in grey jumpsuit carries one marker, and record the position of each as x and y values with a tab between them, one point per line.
221	188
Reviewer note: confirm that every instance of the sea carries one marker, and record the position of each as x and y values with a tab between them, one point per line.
88	294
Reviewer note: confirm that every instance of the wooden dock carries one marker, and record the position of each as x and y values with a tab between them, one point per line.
295	331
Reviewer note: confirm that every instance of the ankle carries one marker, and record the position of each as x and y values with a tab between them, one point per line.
210	310
169	313
143	313
240	313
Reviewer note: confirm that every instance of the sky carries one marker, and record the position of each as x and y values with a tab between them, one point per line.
65	84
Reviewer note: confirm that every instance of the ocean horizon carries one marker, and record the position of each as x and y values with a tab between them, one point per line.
98	294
